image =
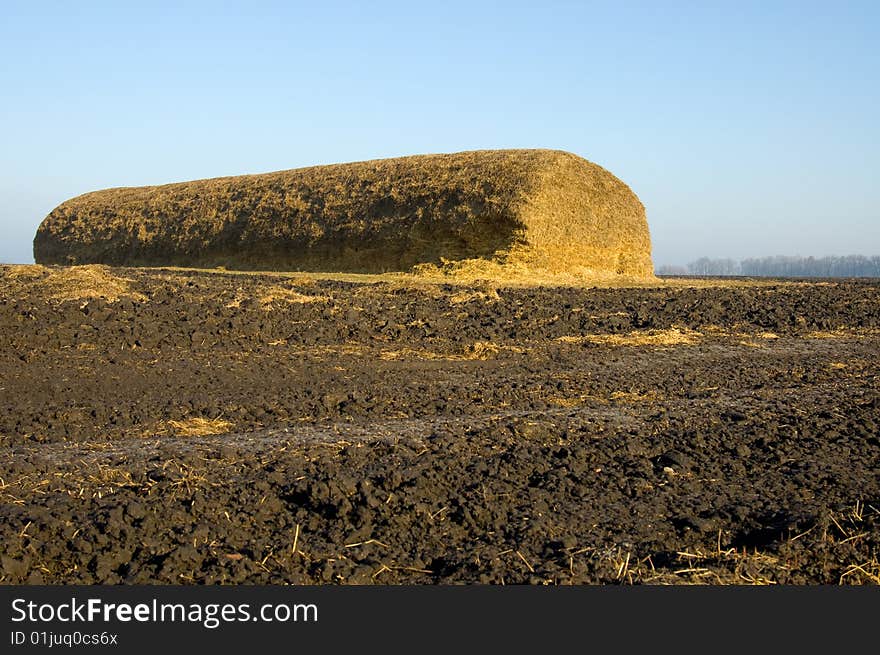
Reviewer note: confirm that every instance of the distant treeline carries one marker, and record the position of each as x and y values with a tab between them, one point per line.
781	266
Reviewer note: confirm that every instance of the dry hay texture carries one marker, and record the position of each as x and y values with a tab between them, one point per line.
542	210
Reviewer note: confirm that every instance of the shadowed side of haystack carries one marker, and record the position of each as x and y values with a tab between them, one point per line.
541	209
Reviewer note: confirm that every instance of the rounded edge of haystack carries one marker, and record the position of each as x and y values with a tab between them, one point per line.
583	218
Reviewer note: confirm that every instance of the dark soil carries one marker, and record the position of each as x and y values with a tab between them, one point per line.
439	434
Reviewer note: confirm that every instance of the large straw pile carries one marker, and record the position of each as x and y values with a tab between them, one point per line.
530	209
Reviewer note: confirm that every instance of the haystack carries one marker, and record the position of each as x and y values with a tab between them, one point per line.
531	209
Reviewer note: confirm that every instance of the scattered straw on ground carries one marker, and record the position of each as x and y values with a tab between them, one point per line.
480	350
24	272
487	296
843	333
718	565
633	397
199	427
748	343
636	396
277	294
426	278
670	337
567	401
67	283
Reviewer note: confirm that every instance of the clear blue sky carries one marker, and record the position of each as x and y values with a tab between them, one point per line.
746	128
